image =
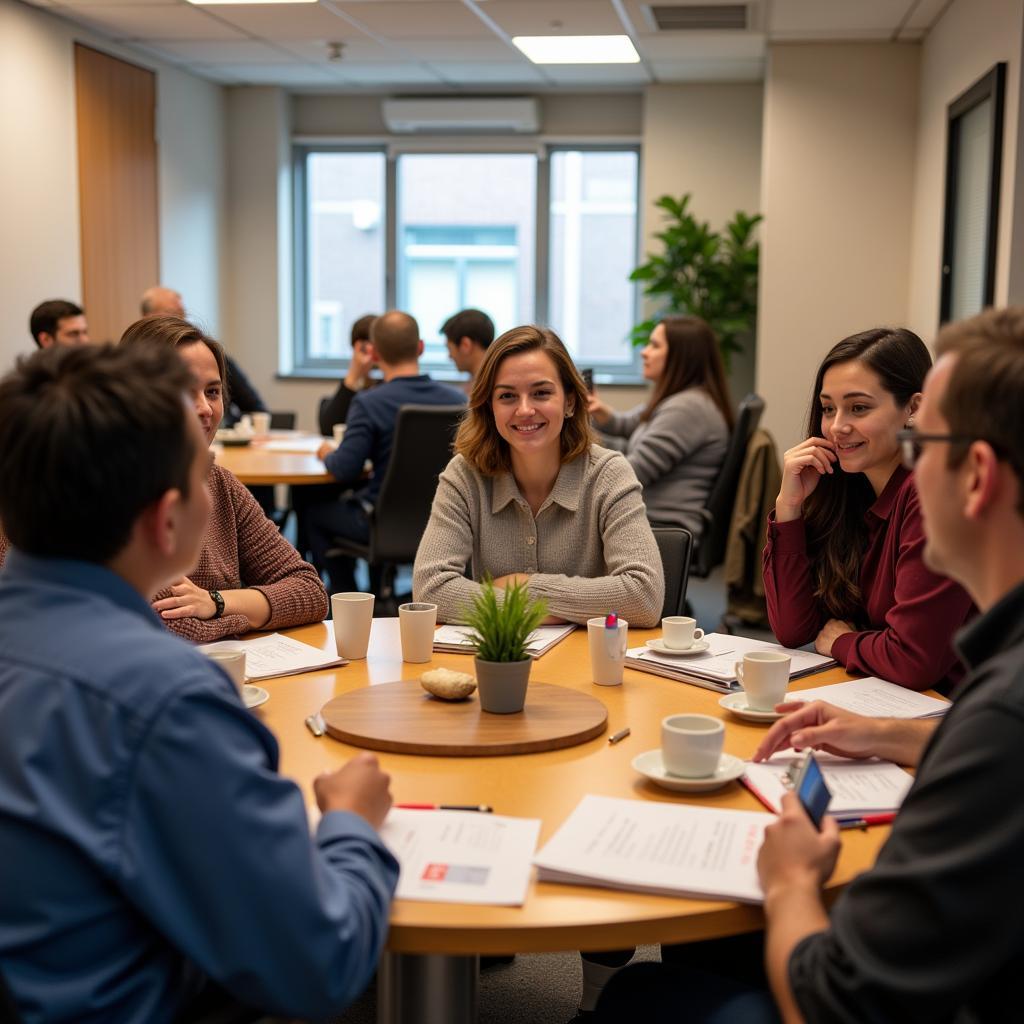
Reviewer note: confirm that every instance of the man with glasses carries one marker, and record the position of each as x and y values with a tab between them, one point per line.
932	931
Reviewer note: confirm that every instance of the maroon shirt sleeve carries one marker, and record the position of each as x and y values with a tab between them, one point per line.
915	646
795	614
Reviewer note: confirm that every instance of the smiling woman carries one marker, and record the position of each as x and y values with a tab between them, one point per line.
529	497
843	565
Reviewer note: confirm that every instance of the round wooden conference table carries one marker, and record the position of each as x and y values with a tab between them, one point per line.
284	457
428	973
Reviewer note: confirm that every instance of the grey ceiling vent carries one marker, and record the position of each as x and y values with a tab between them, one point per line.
692	17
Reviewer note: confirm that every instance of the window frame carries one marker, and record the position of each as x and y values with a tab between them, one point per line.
303	365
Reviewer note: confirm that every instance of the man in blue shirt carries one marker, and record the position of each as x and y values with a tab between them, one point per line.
153	861
368	435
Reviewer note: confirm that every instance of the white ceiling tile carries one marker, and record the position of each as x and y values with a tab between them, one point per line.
722	70
836	19
157	22
597	74
356	51
554	17
704	45
392	74
493	73
120	3
233	51
266	74
925	14
412	19
291	21
465	50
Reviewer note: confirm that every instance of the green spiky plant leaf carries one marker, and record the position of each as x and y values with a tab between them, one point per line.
501	628
703	273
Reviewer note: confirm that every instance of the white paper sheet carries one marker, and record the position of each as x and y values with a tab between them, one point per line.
668	848
461	856
876	698
454	639
277	655
858	787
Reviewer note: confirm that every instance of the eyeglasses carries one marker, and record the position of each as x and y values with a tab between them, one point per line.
911	443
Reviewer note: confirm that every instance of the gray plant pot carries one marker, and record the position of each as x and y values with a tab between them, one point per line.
502	685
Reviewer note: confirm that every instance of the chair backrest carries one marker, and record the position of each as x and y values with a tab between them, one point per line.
717	512
282	421
8	1011
674	545
421	449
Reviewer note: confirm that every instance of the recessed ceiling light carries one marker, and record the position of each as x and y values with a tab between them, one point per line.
210	3
578	49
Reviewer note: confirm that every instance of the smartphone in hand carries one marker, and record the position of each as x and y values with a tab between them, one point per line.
811	790
588	379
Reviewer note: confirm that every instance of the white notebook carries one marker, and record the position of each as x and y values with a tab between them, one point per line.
716	667
671	849
455	639
876	698
277	655
858	787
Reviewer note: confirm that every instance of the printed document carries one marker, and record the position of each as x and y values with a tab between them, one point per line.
876	698
277	655
461	856
666	848
455	639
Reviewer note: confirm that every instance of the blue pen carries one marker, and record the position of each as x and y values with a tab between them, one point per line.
611	636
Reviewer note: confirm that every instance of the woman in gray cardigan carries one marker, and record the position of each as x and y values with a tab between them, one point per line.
676	441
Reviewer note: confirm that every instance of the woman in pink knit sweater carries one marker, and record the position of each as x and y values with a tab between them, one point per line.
248	576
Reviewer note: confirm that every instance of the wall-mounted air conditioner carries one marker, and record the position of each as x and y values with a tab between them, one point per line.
454	115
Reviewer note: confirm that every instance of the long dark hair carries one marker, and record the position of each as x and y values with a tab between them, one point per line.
692	361
834	513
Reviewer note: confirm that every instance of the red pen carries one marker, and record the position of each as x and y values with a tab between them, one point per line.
867	819
480	808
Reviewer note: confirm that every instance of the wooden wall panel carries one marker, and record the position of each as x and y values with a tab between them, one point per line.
117	186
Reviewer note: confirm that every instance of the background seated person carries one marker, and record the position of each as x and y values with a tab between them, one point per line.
247	576
58	322
843	565
369	433
676	441
952	864
468	334
529	497
154	861
357	377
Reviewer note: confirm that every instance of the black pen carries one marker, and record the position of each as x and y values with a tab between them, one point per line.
480	808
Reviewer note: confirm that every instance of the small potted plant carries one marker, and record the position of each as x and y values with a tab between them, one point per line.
500	631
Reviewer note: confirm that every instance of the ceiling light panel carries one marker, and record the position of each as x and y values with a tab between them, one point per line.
578	49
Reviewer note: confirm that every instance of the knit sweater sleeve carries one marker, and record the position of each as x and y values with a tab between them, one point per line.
634	584
678	426
622	424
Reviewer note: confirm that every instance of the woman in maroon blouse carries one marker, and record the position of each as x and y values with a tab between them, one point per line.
844	564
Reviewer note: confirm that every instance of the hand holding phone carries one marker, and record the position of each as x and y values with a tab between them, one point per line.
811	790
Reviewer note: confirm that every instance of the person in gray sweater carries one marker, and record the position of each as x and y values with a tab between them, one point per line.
529	498
676	441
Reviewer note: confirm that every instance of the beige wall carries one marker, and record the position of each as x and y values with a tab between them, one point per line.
39	180
705	140
837	194
970	37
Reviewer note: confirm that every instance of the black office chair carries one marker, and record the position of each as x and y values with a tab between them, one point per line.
421	449
8	1011
717	511
674	545
282	421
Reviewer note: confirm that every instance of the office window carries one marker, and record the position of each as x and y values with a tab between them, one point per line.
343	265
433	233
593	236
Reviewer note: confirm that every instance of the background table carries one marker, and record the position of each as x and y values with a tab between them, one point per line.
444	939
254	464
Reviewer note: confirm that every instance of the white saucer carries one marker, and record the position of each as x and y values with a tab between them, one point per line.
650	765
254	696
699	647
737	704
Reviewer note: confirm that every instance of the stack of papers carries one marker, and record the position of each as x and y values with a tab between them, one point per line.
859	788
461	856
277	655
876	698
716	667
455	639
665	848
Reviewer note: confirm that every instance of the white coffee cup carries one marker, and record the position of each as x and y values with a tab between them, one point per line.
352	613
232	660
243	428
261	422
691	745
416	622
607	651
764	676
339	432
680	632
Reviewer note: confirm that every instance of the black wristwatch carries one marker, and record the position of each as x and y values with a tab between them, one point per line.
218	602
